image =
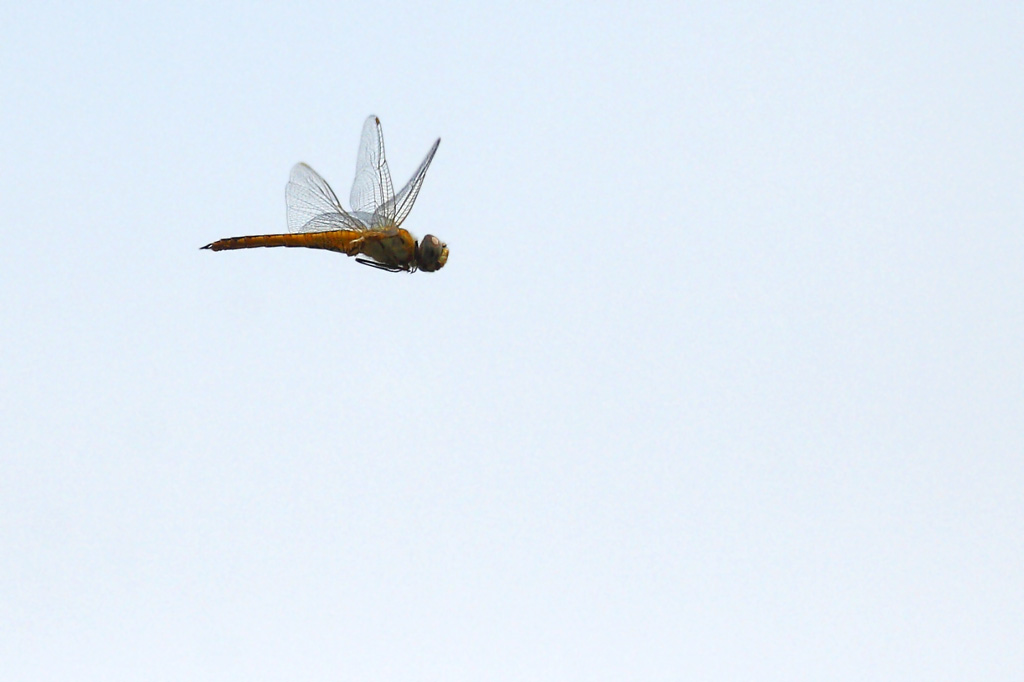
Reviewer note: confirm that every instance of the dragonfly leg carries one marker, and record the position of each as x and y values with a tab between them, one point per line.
379	266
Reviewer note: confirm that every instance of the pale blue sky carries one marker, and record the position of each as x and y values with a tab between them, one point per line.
723	380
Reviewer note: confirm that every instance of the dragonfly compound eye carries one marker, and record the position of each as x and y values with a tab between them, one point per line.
433	253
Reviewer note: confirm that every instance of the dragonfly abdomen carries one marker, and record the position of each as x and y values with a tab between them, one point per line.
343	241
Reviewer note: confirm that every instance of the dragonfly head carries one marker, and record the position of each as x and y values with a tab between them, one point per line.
431	254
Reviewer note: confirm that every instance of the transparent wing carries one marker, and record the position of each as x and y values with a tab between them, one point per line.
313	206
407	197
372	191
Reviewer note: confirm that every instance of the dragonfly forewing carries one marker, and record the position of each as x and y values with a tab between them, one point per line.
407	197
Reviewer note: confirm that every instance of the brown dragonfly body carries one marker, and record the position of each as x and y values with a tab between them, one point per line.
370	230
396	251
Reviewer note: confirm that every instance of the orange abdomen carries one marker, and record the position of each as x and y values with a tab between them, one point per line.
344	241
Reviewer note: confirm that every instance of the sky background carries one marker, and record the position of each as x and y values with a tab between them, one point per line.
723	380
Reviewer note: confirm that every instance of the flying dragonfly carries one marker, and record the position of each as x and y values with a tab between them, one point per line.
371	231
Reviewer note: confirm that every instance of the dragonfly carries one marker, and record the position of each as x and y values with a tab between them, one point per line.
371	230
